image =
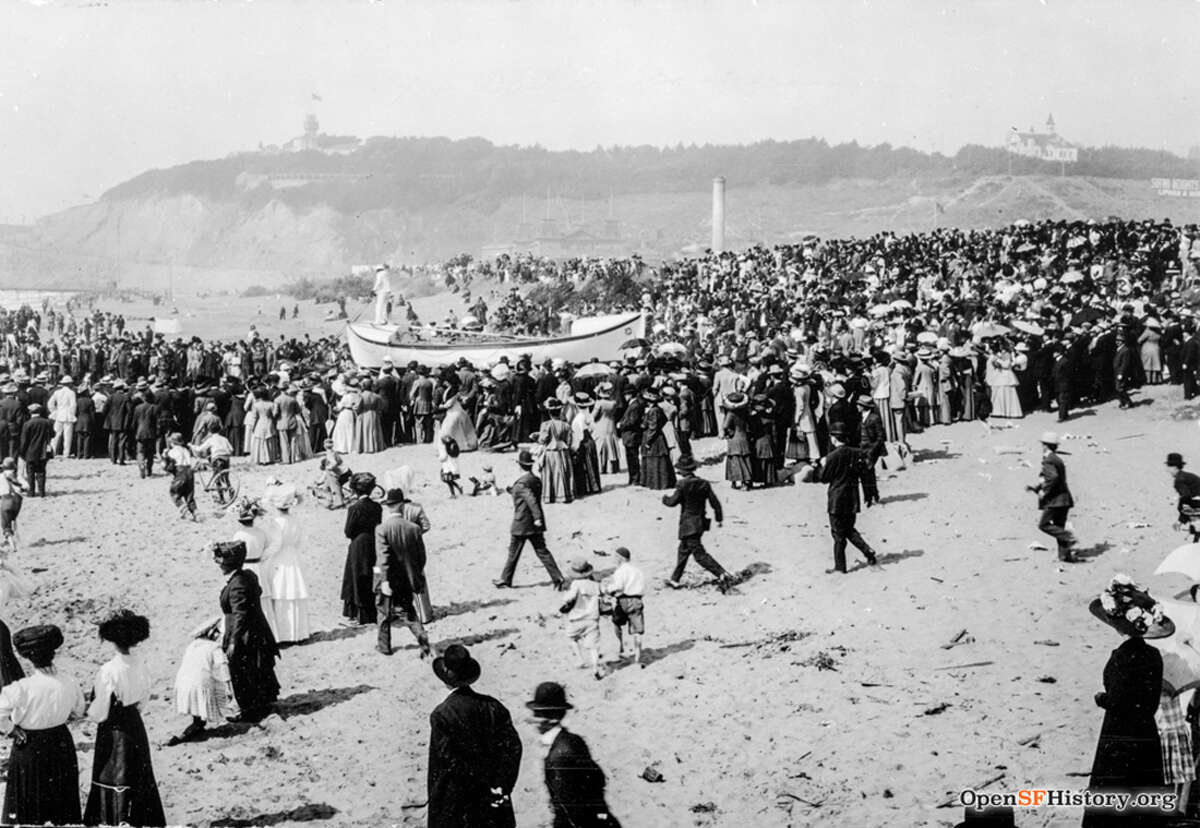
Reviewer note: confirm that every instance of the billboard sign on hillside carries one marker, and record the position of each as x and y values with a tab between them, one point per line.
1176	187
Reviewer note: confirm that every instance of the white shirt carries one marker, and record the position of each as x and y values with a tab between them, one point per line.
586	594
62	405
40	701
123	676
181	455
627	580
216	446
547	738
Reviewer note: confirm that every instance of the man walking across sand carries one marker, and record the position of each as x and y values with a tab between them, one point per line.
1054	498
529	524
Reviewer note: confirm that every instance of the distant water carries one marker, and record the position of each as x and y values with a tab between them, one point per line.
13	299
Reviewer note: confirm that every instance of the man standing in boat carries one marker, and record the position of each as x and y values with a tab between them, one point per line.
383	293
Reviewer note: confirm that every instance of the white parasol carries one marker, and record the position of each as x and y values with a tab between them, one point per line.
1071	277
1181	658
881	310
902	304
1028	327
594	369
927	338
671	348
1184	560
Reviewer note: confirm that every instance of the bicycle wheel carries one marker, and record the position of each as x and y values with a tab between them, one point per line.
224	488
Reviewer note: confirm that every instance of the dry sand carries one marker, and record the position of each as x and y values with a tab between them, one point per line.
753	734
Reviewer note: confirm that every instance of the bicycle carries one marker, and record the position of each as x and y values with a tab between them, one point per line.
222	486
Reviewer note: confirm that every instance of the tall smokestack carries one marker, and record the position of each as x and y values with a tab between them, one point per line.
718	215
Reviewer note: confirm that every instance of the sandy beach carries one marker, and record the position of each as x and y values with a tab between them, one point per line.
802	698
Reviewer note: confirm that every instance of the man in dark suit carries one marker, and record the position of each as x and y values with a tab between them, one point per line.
399	572
474	751
36	436
525	403
574	780
85	417
388	388
421	401
12	417
145	433
1064	381
1054	498
116	420
529	524
468	388
404	390
840	471
1190	361
873	443
1187	486
692	494
629	428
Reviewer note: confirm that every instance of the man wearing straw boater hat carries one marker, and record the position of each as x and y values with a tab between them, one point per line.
474	751
574	780
1054	498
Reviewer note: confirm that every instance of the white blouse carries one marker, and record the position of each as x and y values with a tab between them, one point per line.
40	701
123	676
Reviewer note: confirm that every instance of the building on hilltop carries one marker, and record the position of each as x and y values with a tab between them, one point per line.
1045	145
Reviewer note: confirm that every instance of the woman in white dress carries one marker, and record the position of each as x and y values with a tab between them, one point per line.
455	422
347	410
203	689
289	592
1002	381
256	549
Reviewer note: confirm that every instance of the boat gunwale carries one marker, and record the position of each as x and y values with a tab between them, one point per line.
491	346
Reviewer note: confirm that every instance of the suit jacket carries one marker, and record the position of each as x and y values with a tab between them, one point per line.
116	417
85	413
630	426
527	506
36	435
145	421
287	412
13	416
1053	491
576	784
1191	352
874	437
388	387
246	627
421	396
839	469
473	750
691	495
400	556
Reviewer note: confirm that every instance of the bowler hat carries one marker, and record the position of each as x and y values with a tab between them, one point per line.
1175	459
455	666
686	464
394	496
549	697
524	458
581	568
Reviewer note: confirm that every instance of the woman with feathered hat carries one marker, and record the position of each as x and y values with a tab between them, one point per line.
248	642
124	791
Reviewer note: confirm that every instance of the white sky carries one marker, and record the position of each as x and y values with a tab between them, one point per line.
93	94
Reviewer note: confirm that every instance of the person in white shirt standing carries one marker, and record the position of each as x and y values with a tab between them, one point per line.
62	414
628	585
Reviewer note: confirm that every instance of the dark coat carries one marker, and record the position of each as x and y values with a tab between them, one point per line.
873	438
145	421
36	435
839	469
400	557
118	412
527	506
473	749
13	416
1128	754
630	425
85	413
576	785
1053	491
421	396
249	643
690	495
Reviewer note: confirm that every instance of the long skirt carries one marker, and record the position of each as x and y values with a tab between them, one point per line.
609	451
268	608
1005	402
763	467
557	481
795	447
252	674
657	472
968	398
884	407
247	440
358	594
124	791
43	780
708	416
944	414
1175	742
587	468
260	450
738	468
343	432
304	449
368	433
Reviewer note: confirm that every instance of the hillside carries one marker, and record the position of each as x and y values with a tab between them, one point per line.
264	217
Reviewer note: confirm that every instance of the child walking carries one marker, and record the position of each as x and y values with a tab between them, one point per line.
12	492
581	605
448	452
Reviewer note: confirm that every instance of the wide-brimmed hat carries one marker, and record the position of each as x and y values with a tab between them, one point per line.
1131	610
864	401
1175	459
229	551
800	371
455	666
205	627
35	408
125	628
836	390
549	697
524	458
1049	438
42	638
736	400
248	508
604	389
581	568
394	496
66	380
42	377
651	394
686	464
584	400
553	404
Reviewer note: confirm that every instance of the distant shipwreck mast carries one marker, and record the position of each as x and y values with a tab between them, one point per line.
718	215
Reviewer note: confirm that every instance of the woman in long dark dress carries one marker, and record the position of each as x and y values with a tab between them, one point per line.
586	469
43	770
658	472
738	470
364	514
248	642
1128	755
762	430
124	791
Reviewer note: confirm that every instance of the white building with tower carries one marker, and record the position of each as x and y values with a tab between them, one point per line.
1045	144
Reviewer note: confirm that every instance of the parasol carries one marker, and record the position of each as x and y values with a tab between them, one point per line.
1028	327
1181	658
1026	248
986	330
1071	277
1021	223
881	310
671	349
1088	314
1184	560
594	369
901	304
927	338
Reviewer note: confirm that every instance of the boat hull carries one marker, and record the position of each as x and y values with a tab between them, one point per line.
370	344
